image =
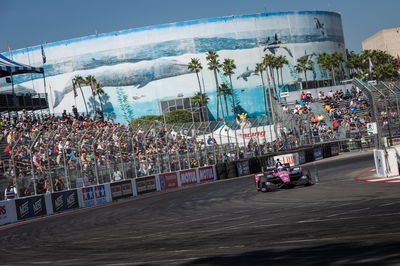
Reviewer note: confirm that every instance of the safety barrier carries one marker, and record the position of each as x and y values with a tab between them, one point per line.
50	203
296	157
61	201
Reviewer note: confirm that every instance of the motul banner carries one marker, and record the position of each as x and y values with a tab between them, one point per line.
206	174
30	207
188	177
169	180
65	200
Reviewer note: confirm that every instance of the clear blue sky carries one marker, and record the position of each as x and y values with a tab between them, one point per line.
27	22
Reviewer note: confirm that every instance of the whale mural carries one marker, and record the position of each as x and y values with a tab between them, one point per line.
139	67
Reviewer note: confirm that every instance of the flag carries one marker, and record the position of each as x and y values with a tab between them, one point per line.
371	66
74	89
43	55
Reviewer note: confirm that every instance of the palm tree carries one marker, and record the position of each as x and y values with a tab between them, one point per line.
259	69
336	61
224	90
195	66
214	65
281	62
324	61
78	80
201	99
228	66
269	61
303	65
100	92
92	82
354	63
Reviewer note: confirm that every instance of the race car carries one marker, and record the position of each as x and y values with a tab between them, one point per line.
282	177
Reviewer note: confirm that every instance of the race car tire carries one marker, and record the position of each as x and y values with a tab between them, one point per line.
308	181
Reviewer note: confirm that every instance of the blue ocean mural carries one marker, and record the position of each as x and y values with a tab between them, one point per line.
139	67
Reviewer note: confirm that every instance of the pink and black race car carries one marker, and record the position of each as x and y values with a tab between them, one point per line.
282	177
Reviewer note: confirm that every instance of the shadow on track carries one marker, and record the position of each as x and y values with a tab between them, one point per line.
382	254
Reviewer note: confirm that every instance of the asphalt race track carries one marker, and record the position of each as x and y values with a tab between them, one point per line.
338	221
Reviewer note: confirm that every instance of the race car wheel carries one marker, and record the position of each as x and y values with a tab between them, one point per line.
307	180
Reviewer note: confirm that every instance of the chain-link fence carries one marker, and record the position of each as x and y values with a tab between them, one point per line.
70	155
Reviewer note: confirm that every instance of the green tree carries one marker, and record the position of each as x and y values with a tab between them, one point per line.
336	62
228	66
269	62
214	65
224	90
354	63
201	100
195	66
385	66
324	61
78	80
259	69
100	92
180	116
281	61
92	82
303	65
146	120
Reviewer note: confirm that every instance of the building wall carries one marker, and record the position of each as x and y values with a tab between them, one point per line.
140	67
385	40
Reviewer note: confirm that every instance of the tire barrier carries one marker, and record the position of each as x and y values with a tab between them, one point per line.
255	165
231	170
221	171
309	155
326	151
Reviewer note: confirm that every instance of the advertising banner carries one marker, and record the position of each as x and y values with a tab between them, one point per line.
30	207
93	195
188	177
243	168
121	189
169	180
291	158
100	194
318	154
88	197
65	200
302	157
146	185
7	212
206	174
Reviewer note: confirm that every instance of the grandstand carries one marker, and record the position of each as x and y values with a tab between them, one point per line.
44	153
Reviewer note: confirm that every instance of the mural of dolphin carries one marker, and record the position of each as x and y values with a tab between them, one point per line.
273	45
129	74
245	75
320	26
308	56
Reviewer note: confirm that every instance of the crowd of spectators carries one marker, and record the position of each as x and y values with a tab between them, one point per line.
40	145
346	109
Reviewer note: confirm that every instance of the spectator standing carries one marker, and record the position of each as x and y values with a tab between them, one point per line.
10	192
117	175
